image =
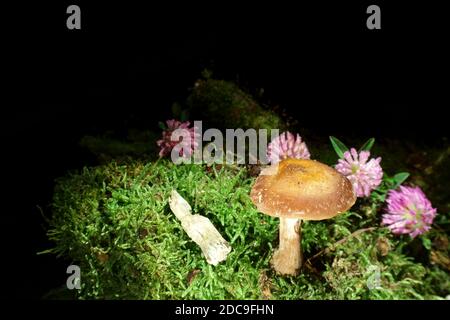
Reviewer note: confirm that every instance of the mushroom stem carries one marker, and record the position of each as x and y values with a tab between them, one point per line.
288	258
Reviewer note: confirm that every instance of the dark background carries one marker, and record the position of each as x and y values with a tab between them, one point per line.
129	63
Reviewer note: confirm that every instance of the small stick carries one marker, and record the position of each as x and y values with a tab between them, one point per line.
200	229
328	249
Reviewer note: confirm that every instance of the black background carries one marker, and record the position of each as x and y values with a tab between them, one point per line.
130	62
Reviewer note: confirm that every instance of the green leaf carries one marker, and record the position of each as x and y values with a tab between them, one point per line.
162	125
399	178
426	243
338	146
368	145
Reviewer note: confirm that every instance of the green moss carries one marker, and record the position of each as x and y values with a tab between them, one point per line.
115	223
106	147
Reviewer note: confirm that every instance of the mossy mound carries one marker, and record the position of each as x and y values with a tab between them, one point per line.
107	147
225	105
115	223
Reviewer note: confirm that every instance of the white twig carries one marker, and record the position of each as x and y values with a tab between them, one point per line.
200	230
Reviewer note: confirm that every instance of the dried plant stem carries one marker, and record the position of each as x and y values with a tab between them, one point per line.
328	249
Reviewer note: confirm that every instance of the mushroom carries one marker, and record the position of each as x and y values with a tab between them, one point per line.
295	190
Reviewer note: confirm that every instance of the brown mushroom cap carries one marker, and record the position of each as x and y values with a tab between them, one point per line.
304	189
